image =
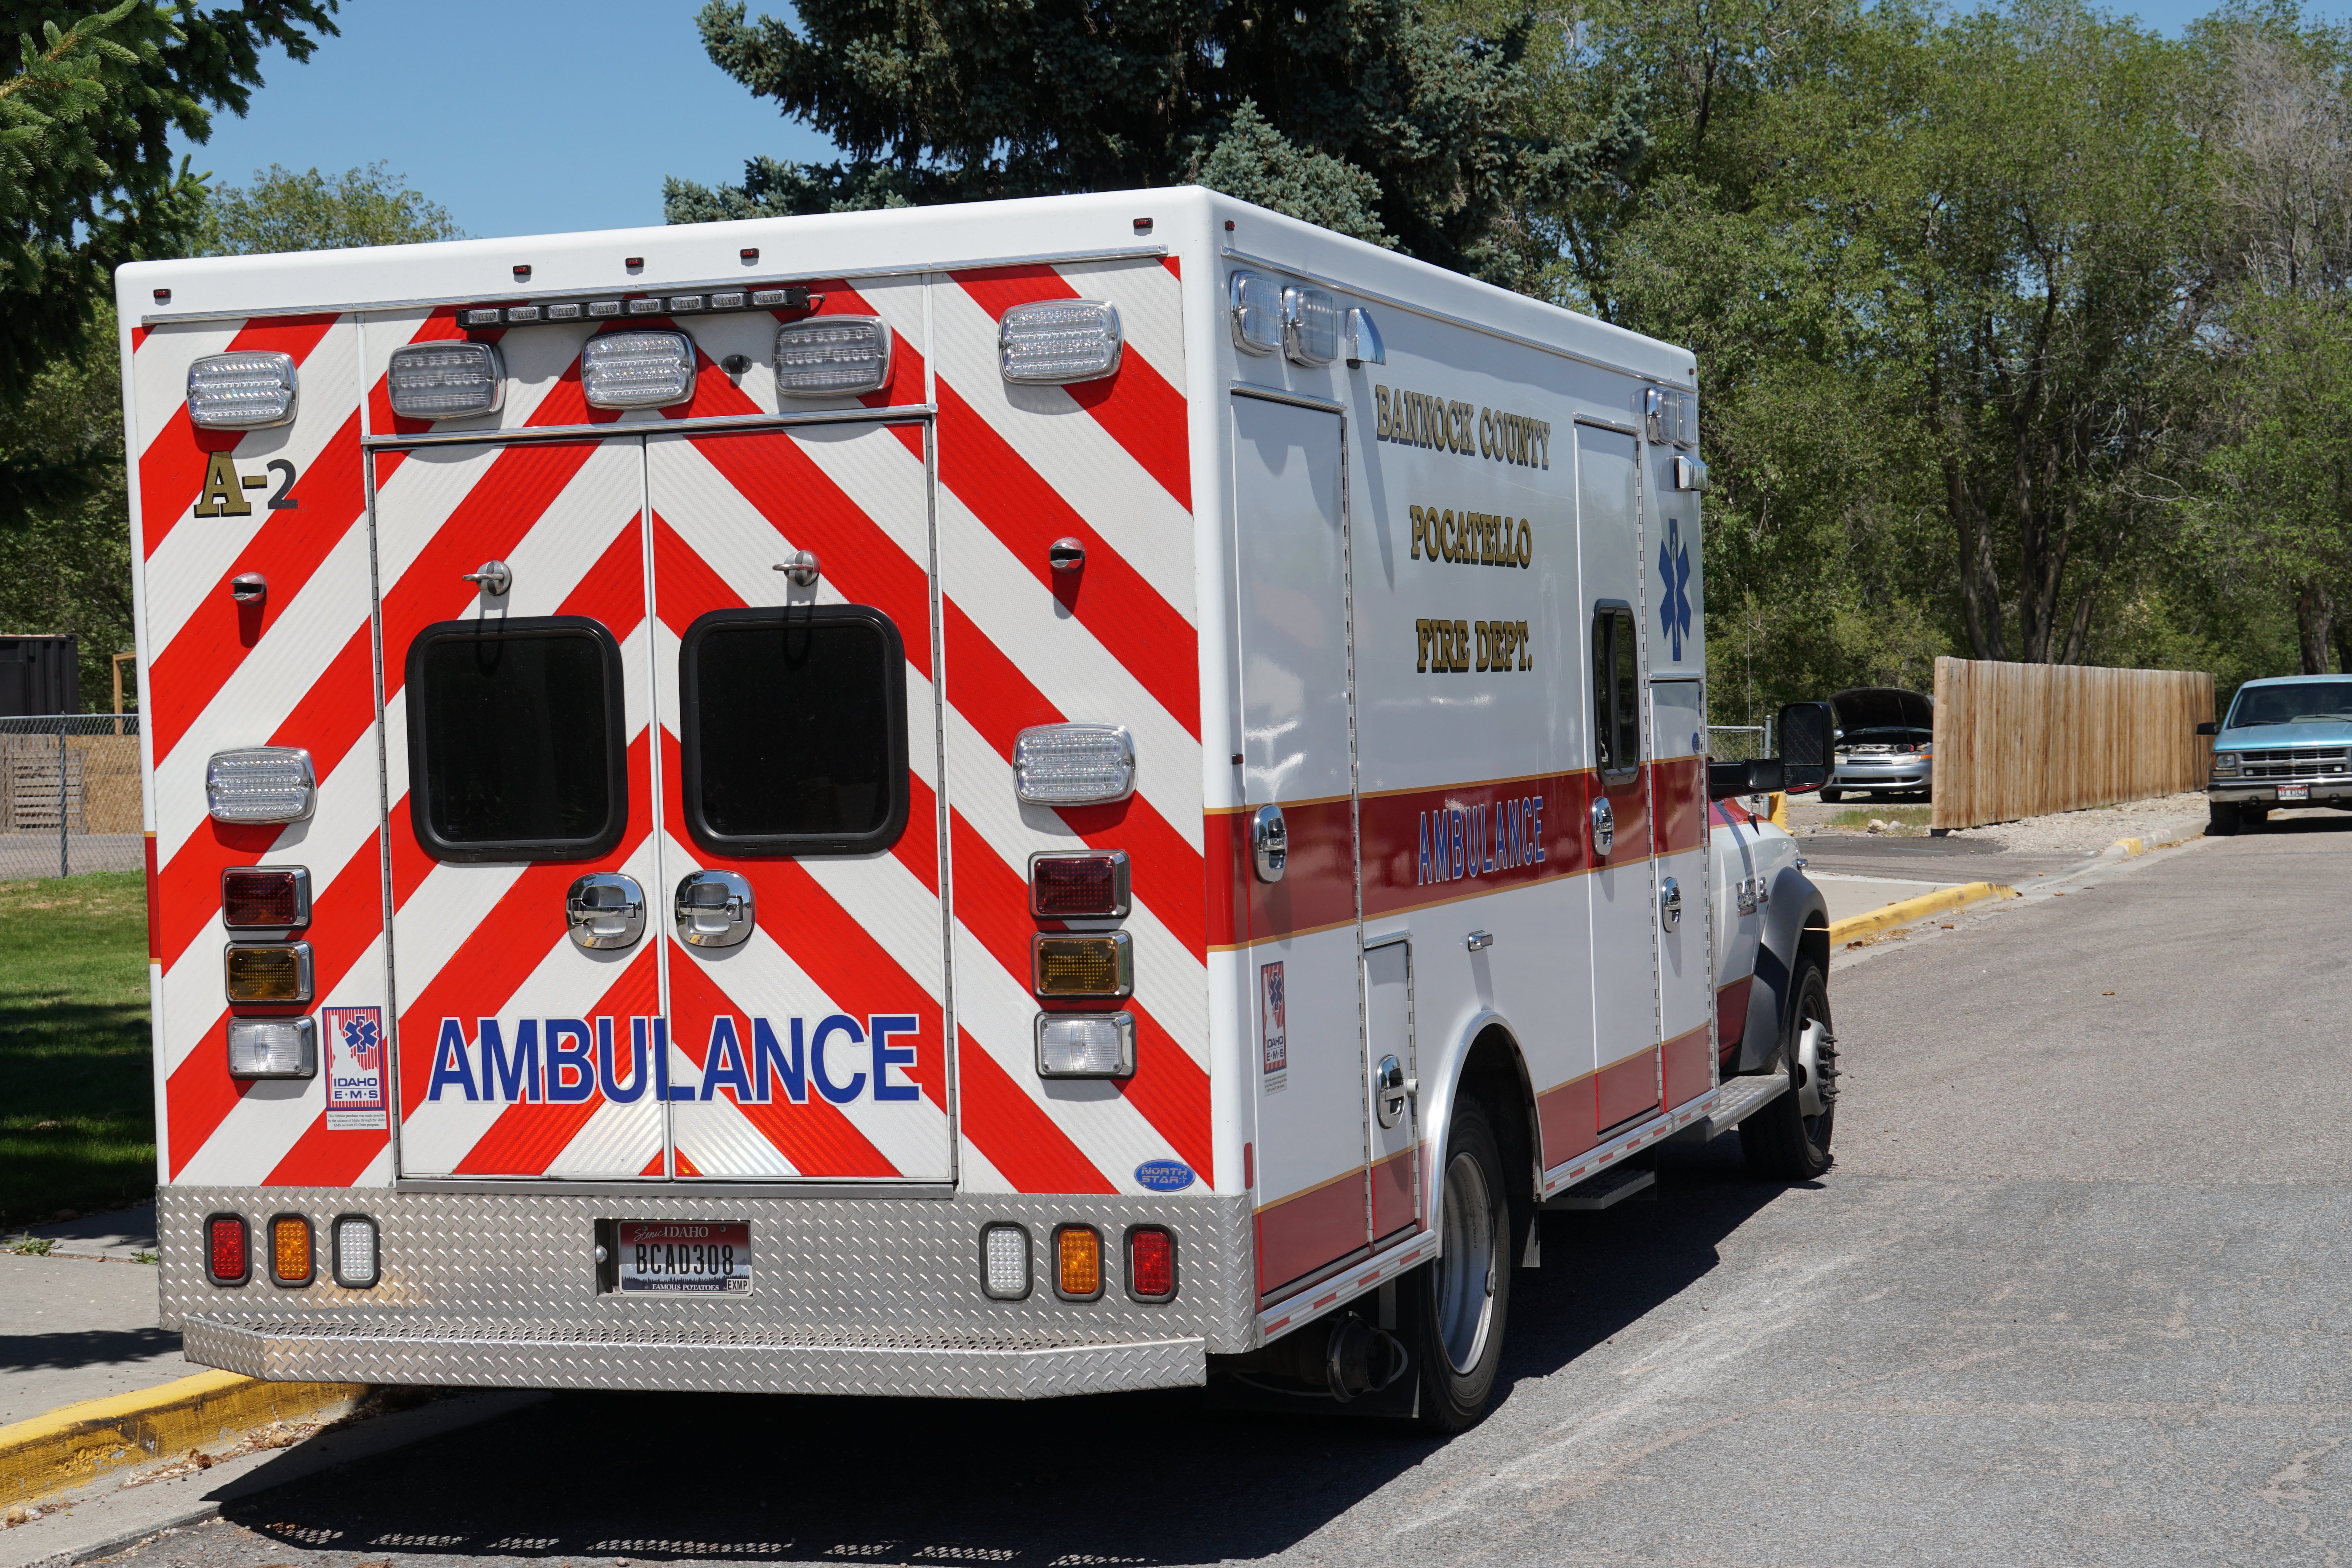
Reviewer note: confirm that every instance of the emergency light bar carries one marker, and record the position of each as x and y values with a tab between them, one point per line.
833	356
1056	341
252	389
539	313
637	370
447	380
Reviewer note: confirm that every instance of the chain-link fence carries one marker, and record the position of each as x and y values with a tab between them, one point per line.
1739	743
70	794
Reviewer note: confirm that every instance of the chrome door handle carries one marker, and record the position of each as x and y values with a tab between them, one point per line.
1604	826
1270	843
494	577
714	908
1390	1090
606	911
1670	903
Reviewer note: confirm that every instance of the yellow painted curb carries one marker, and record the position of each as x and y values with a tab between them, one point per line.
72	1444
1904	911
2124	849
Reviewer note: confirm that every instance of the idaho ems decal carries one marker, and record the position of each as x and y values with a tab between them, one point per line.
354	1046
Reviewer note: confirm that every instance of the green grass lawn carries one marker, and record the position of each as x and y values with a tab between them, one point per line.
77	1126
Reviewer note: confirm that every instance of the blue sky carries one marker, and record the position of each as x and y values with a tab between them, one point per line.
540	116
519	116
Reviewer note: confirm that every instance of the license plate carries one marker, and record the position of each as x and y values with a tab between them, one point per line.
2295	792
683	1257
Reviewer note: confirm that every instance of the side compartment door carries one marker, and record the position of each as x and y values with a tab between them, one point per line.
1622	885
1290	563
1675	651
803	949
516	677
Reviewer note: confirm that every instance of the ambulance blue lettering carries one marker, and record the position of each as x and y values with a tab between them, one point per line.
571	1061
769	1063
1425	877
607	1077
723	1063
880	1027
516	1079
450	1062
837	1024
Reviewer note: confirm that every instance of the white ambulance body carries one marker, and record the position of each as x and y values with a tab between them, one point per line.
998	800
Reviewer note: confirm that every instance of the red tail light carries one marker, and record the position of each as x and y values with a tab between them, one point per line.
225	1237
1078	886
270	898
1150	1263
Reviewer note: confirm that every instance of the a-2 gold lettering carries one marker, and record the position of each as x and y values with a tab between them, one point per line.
224	492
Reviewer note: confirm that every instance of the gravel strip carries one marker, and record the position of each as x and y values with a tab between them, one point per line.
2153	821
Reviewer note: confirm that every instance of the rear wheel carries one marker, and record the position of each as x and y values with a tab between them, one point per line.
1788	1139
2223	818
1468	1291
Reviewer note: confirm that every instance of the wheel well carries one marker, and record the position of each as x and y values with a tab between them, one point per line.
1813	942
1495	1072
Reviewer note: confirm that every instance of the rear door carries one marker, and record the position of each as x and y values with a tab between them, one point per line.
516	673
800	914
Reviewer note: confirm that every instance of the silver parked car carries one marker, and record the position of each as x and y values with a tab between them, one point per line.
1886	743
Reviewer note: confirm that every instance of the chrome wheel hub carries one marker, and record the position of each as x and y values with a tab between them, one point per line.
1465	1271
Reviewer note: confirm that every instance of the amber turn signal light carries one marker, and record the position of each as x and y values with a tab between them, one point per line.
277	972
290	1249
1091	967
1078	1251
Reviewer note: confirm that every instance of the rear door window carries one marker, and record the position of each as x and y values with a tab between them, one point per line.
795	733
515	739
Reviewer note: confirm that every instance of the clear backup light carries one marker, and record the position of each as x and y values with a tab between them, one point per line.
260	784
1074	764
833	356
356	1251
637	370
447	381
1311	326
1086	1044
1005	1262
1060	341
1257	301
273	1048
250	390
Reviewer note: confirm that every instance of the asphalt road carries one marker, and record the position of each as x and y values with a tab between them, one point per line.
2074	1292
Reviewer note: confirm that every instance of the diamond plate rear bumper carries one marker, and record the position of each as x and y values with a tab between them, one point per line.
507	1354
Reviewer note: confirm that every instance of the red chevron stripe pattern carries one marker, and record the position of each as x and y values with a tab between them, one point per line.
518	1054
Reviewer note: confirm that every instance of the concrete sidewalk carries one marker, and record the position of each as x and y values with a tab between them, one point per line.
76	1328
1849	896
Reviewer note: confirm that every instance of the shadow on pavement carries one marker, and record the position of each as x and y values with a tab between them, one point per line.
1119	1479
89	1347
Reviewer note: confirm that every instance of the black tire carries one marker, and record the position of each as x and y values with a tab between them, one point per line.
1467	1289
1782	1142
2222	819
2251	816
1832	796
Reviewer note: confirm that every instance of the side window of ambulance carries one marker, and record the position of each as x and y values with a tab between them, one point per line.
1616	692
795	737
515	739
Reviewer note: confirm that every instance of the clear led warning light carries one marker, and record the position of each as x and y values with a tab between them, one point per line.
1074	764
1060	341
1257	302
290	1249
447	381
273	1048
356	1251
637	370
1086	1044
1311	326
1005	1262
833	356
250	390
260	784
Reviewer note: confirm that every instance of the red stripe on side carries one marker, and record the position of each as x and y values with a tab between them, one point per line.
154	903
1308	1230
171	469
992	695
1024	1143
1568	1116
1169	1088
1678	788
1627	1089
1135	404
288	547
1683	1064
1126	615
1731	1013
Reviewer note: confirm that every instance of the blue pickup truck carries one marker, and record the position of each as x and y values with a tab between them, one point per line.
2286	742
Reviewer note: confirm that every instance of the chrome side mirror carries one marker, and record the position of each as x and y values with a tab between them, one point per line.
606	911
714	908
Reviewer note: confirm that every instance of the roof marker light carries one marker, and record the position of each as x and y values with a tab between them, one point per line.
644	307
637	370
567	311
250	390
1074	764
488	317
518	315
604	307
1057	342
678	303
833	356
447	380
1257	305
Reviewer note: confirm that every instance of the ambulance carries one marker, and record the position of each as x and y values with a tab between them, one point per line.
1007	800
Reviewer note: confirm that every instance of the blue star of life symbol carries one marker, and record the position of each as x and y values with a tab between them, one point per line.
360	1034
1673	607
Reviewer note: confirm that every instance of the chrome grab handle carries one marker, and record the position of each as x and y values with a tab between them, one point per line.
1390	1090
714	908
494	577
605	909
